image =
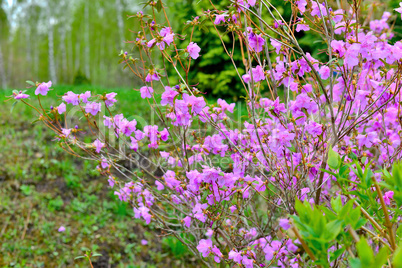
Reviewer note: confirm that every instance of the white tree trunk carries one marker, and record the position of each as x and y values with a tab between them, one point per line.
63	53
52	65
120	22
3	77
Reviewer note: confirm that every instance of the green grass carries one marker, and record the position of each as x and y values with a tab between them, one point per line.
42	188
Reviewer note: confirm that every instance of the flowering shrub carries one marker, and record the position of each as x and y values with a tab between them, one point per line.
310	177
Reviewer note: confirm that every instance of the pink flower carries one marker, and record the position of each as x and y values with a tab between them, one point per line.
85	96
301	5
61	229
235	256
368	140
388	195
171	182
318	9
193	49
256	42
168	96
258	75
144	242
217	254
324	72
20	95
98	145
61	108
71	97
284	224
399	9
251	2
66	131
220	18
43	88
187	221
134	144
111	181
302	27
352	55
338	47
104	163
209	232
110	99
142	212
248	263
93	108
159	186
152	77
205	247
146	92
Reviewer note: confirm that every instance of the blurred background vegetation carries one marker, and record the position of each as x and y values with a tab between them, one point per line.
75	43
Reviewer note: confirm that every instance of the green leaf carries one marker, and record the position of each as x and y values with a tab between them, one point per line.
332	228
336	204
30	83
79	257
397	174
336	254
381	258
366	254
292	148
397	259
12	106
333	159
159	6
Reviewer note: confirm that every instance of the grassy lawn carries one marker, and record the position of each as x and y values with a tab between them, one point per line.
42	188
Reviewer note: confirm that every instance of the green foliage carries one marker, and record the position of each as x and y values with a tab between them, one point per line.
366	256
81	79
321	228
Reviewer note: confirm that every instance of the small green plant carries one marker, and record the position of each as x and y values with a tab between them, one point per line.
88	254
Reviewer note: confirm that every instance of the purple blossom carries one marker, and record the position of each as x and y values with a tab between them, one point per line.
301	5
325	72
388	196
159	186
187	221
220	18
205	247
85	96
168	96
92	108
143	212
43	88
61	108
110	99
235	256
146	92
284	224
170	180
399	9
66	131
302	27
193	50
98	145
20	95
256	42
71	98
61	229
111	181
